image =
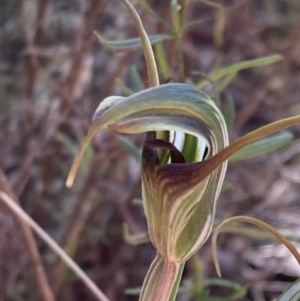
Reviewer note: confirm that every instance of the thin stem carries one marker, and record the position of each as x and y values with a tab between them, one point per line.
147	48
39	271
177	283
180	60
53	245
153	78
198	273
258	223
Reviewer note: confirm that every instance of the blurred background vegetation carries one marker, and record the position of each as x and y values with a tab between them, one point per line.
53	74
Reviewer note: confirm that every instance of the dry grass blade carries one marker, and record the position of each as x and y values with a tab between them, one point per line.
53	245
39	271
258	223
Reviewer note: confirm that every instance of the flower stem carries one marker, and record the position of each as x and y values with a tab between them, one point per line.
147	48
162	280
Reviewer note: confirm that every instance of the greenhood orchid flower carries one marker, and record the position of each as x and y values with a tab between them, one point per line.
184	126
184	160
179	207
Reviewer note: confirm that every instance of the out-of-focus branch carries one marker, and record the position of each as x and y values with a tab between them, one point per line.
76	223
40	275
32	65
84	43
52	244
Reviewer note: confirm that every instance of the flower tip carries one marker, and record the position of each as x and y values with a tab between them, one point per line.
218	271
96	34
216	264
71	176
70	181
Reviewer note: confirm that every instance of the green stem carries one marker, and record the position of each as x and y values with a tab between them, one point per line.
180	60
152	73
198	273
147	48
177	283
162	280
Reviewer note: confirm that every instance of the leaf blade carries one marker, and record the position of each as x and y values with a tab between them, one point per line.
234	68
130	44
263	146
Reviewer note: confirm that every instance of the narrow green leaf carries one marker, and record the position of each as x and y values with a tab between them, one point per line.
130	44
156	16
263	61
133	291
292	293
162	61
263	146
124	89
221	283
238	294
226	186
226	81
228	111
135	80
130	148
192	24
135	239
